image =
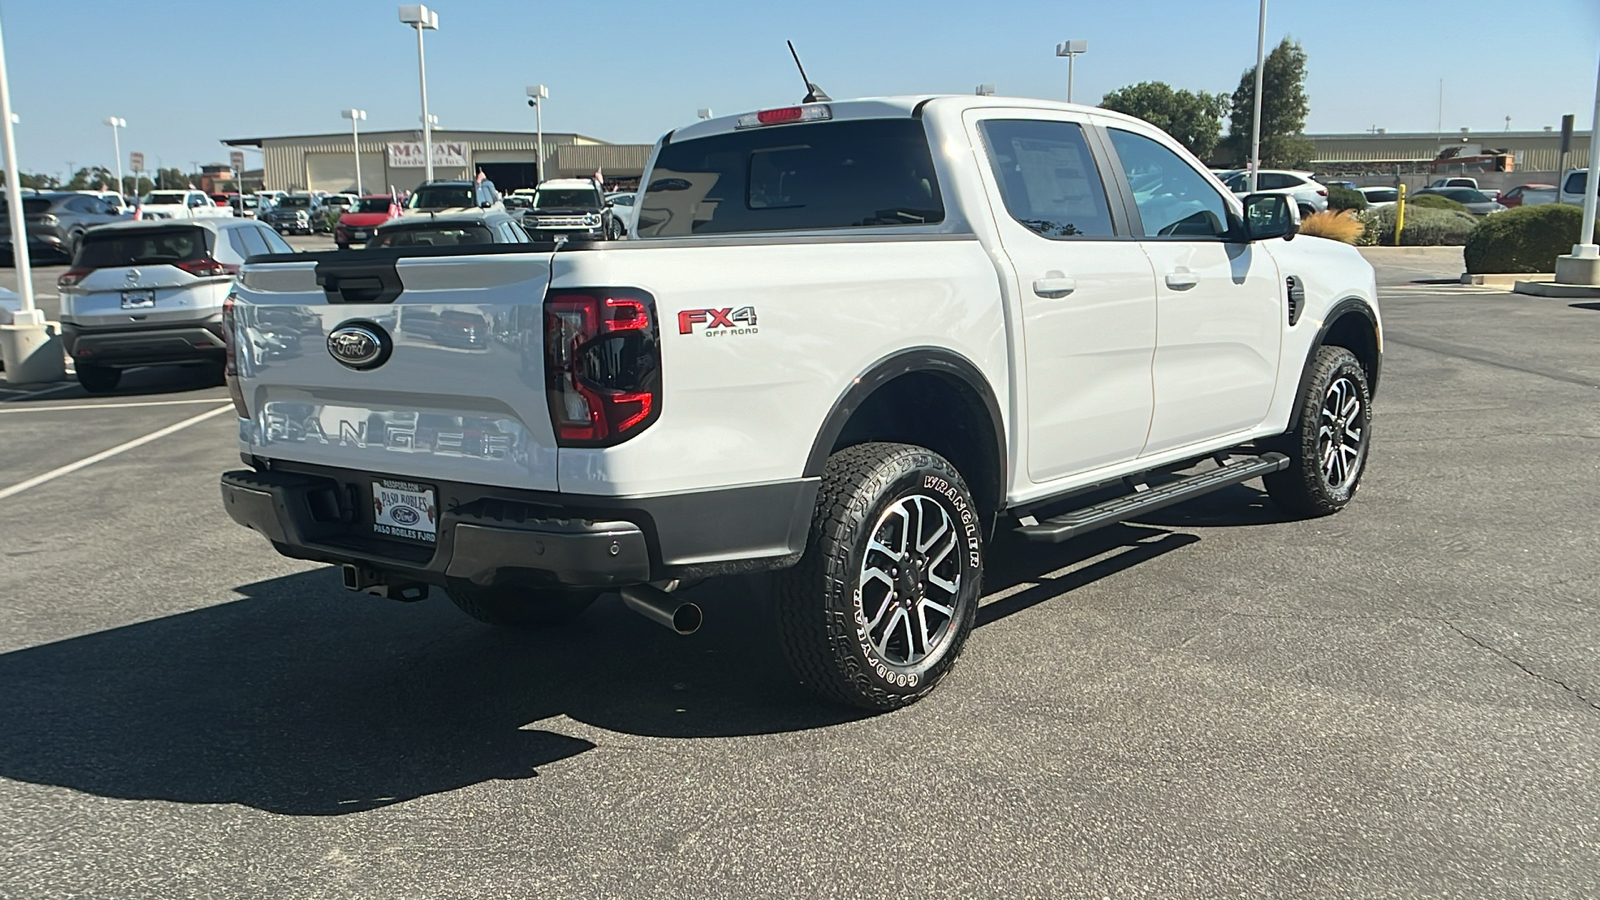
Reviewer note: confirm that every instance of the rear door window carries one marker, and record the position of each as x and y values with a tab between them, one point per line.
850	174
1048	177
142	247
275	243
1577	183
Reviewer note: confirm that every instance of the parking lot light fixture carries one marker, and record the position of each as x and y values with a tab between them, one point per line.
423	19
356	117
537	94
1071	50
703	113
116	147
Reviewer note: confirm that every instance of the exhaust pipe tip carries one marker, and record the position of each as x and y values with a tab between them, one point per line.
662	608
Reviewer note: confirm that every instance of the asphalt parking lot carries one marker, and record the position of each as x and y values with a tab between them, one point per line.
1402	700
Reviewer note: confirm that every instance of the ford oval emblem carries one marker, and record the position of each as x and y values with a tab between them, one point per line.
360	344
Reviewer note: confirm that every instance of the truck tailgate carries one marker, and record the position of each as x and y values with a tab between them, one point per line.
458	393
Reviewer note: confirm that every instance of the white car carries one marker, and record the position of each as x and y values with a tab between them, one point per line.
1309	194
1380	196
623	209
181	205
848	342
1573	184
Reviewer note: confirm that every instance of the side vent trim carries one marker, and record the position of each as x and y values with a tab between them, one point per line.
1297	299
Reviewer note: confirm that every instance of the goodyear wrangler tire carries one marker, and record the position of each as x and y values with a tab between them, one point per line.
513	606
878	608
1328	449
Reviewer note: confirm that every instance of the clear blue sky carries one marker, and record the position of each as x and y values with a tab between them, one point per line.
187	73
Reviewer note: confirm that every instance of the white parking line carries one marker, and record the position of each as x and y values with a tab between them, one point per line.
30	409
59	387
69	468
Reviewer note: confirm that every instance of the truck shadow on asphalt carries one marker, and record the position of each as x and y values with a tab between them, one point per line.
302	699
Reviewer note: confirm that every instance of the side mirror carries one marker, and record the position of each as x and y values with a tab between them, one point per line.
1268	216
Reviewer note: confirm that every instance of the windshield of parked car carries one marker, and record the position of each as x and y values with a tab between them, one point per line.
1387	195
108	248
372	205
295	202
442	196
849	174
172	198
433	236
1463	195
622	200
565	198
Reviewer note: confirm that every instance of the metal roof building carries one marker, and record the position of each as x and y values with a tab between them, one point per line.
394	159
1533	151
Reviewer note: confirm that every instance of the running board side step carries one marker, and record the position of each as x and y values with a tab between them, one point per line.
1069	525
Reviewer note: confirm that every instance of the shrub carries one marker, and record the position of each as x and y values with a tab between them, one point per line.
1371	227
1335	226
1433	201
1424	227
1344	198
1524	239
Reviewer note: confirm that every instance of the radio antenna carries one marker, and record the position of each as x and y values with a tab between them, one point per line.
814	94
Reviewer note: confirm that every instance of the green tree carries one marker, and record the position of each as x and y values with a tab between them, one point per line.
93	178
1283	112
39	181
1193	119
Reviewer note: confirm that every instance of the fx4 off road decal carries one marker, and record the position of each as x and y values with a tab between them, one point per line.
719	322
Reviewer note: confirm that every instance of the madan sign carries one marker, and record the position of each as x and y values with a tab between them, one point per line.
451	155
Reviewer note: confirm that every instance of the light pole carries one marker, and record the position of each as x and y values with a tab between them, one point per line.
1583	265
423	19
537	94
1255	120
356	117
1071	49
116	147
29	352
703	113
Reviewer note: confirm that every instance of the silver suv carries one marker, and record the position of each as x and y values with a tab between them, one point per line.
150	293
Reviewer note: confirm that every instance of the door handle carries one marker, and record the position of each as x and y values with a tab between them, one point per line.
1182	280
1054	284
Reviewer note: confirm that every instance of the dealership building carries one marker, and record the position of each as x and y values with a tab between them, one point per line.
394	159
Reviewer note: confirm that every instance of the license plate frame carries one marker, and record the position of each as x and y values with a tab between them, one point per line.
139	299
408	510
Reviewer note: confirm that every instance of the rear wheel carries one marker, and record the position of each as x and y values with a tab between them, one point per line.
1306	210
878	608
1328	449
514	606
98	379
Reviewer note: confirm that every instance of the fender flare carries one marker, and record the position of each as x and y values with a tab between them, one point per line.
936	360
1338	311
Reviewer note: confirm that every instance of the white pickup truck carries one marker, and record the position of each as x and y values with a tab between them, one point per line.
849	341
180	205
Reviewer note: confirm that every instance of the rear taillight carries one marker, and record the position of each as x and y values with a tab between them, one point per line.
1322	193
230	331
602	365
71	277
206	268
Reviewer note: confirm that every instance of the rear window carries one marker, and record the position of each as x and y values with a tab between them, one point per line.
1387	195
169	198
1464	195
434	236
792	178
442	197
31	206
373	204
1577	183
142	247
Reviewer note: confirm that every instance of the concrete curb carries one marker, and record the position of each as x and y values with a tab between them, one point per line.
1551	289
1505	280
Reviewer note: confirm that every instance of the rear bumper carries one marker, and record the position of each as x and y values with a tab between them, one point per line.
142	346
490	535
